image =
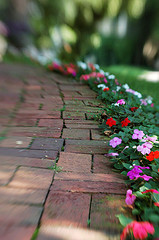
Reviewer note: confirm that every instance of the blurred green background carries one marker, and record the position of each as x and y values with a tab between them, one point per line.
122	36
103	31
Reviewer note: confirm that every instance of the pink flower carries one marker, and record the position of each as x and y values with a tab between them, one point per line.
152	105
151	139
140	230
130	198
145	177
143	102
137	134
121	101
115	142
145	148
112	154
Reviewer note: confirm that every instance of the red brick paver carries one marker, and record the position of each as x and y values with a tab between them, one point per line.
54	178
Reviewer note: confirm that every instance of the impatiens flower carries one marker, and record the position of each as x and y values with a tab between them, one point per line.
126	86
135	173
112	154
106	89
125	122
121	101
137	134
71	71
145	148
84	77
150	139
145	177
103	86
134	92
143	102
133	108
105	80
110	122
118	88
115	142
151	190
140	230
152	105
156	204
153	155
130	198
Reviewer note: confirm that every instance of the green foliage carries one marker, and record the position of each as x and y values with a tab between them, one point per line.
124	220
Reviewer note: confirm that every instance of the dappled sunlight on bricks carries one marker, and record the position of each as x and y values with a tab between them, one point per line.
59	232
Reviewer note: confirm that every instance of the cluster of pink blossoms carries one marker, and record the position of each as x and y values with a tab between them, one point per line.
92	75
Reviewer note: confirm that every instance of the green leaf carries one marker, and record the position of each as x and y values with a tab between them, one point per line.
124	173
126	165
154	218
124	220
118	166
135	211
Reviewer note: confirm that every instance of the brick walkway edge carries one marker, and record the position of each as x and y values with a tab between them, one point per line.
55	182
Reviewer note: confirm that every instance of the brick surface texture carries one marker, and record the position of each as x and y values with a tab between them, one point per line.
54	176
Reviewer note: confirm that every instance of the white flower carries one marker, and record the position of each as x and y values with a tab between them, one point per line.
111	76
82	65
106	74
102	72
115	104
149	99
138	94
126	86
96	66
118	88
101	86
134	147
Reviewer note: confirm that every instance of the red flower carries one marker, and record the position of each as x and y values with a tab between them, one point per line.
110	122
140	230
152	155
156	204
151	190
125	122
106	89
133	108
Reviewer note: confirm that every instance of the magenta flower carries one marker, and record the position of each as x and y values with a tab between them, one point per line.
121	101
134	173
137	134
115	142
145	148
145	177
130	198
105	80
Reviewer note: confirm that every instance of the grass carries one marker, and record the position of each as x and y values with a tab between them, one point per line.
21	58
131	76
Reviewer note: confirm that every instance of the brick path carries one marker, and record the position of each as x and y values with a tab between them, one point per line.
55	182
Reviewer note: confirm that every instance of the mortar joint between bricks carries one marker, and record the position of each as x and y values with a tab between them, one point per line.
47	194
11	178
92	163
89	215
